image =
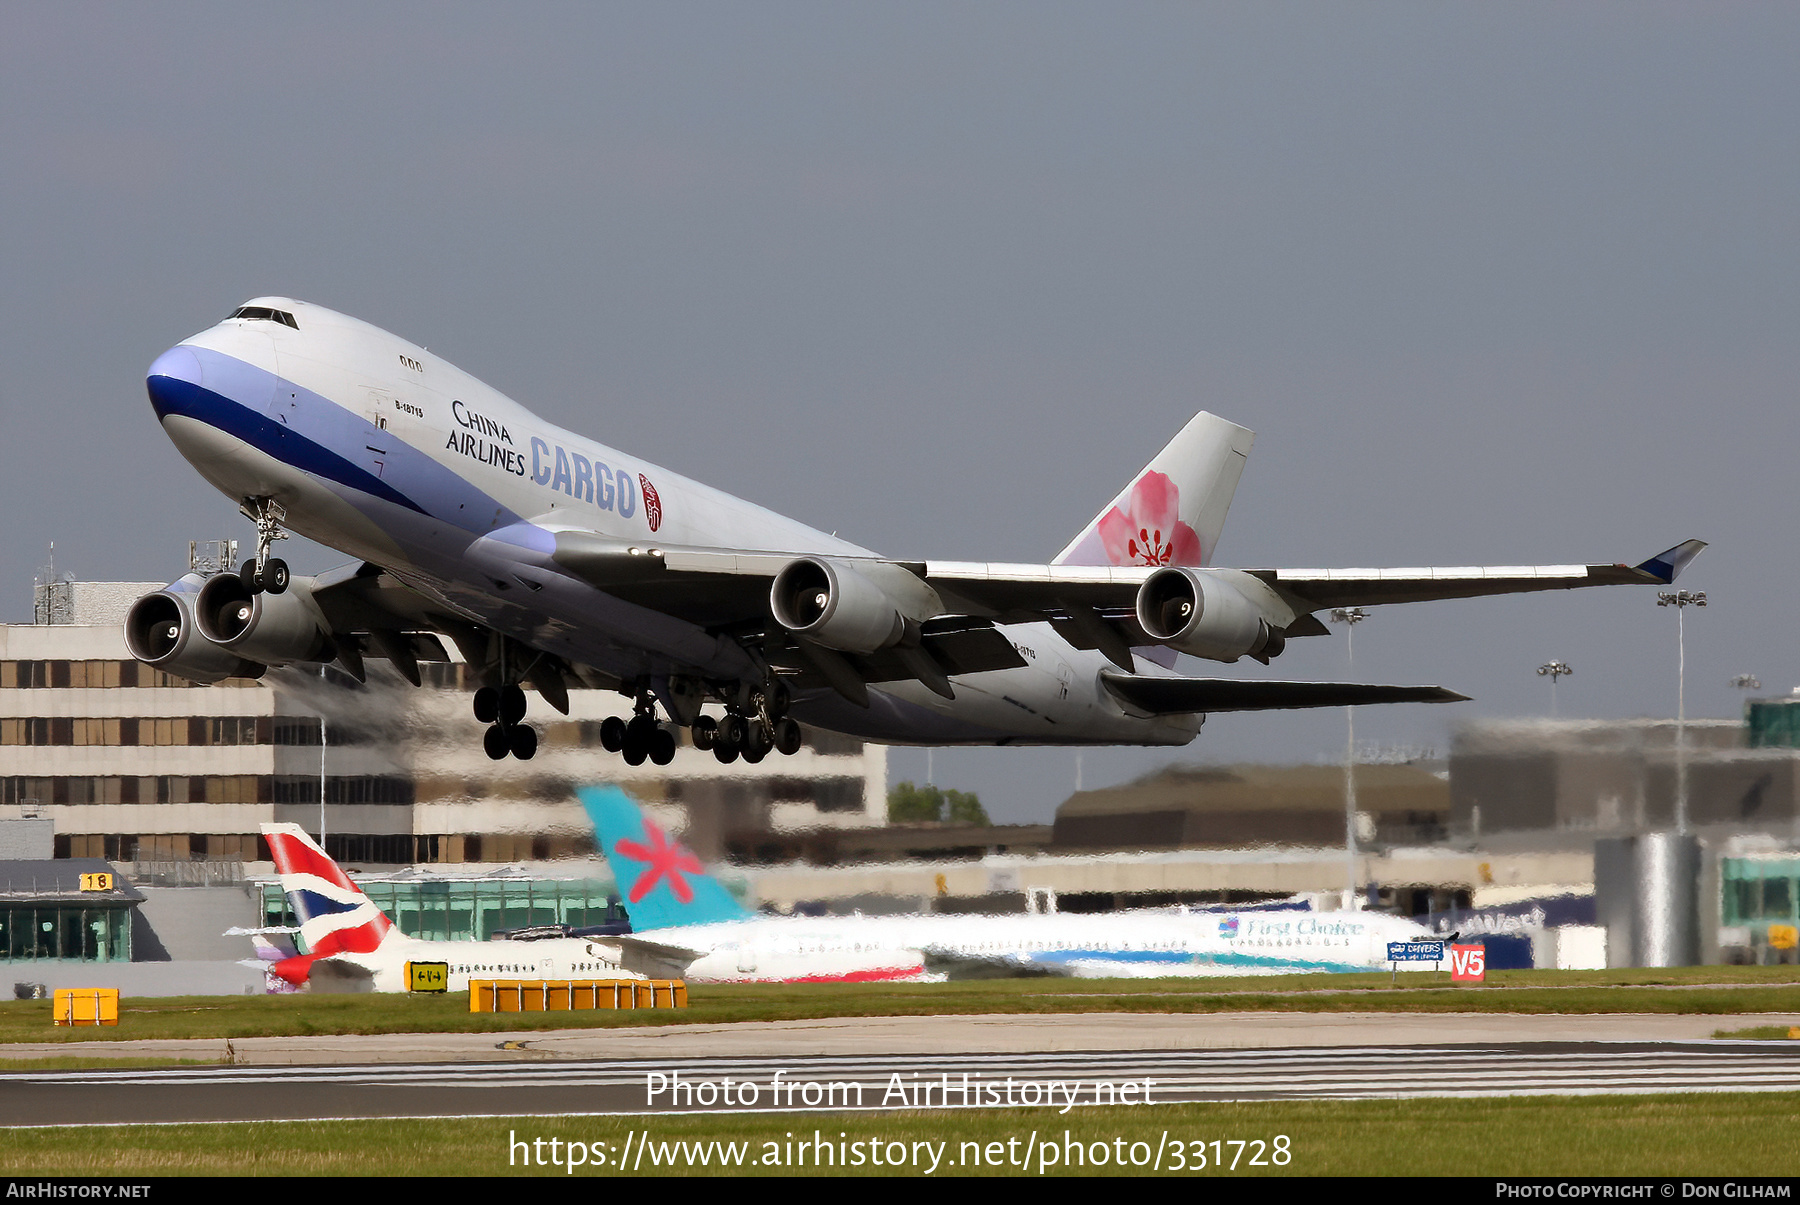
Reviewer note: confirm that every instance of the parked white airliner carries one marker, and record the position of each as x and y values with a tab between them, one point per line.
352	946
551	559
685	914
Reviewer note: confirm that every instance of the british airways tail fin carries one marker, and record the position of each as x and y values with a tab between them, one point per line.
335	916
1173	511
663	883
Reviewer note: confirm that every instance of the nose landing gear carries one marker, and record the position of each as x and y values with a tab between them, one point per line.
265	574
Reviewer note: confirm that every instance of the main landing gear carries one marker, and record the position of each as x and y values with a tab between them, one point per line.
641	738
755	724
265	574
752	730
503	710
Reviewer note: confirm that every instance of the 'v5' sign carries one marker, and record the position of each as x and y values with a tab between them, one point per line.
1468	964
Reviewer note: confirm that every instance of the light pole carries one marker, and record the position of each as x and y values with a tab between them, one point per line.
324	685
1554	670
1681	600
1350	617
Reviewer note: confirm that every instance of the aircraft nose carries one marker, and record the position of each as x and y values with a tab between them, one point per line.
172	381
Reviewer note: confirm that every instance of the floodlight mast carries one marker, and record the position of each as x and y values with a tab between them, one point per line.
1554	670
1350	617
1681	600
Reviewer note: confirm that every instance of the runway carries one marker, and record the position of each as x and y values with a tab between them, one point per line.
1059	1081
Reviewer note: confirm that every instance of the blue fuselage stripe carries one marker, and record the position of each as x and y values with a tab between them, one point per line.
173	396
1222	958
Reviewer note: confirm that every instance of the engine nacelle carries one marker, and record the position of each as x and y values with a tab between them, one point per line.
275	629
852	608
1197	612
160	631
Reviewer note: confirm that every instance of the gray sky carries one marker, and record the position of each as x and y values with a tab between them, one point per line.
1492	284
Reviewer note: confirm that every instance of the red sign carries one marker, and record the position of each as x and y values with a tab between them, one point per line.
1468	964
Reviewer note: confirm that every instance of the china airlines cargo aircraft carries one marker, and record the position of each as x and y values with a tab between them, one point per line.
689	920
551	560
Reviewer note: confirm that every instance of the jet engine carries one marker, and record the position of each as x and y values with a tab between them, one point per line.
160	631
850	608
275	629
1199	612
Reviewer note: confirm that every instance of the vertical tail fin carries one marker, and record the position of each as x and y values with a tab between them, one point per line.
663	883
335	916
1172	512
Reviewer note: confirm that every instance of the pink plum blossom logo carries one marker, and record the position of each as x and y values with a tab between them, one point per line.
1151	532
664	861
652	503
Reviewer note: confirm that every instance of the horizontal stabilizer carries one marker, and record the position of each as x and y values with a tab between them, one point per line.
1173	696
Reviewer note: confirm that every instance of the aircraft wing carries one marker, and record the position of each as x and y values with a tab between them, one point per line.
1092	607
1158	695
957	964
653	960
701	579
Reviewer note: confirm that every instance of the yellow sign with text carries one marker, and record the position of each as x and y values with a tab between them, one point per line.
1784	937
96	882
427	976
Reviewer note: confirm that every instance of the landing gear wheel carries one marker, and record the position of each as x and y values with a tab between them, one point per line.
274	577
725	753
512	704
247	575
637	741
732	731
612	734
524	742
495	743
487	705
757	745
662	746
705	732
776	698
787	736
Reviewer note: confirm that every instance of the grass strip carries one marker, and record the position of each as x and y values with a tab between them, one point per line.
1689	1135
1784	1033
77	1062
1690	991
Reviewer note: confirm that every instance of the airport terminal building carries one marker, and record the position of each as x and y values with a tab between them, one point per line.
134	765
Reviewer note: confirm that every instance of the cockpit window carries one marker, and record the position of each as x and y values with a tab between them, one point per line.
265	313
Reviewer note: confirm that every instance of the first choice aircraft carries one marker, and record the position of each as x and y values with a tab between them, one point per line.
550	559
691	921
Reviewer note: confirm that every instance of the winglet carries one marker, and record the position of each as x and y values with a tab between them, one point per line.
1665	567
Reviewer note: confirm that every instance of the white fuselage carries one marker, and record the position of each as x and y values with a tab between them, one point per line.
1145	944
376	447
558	958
